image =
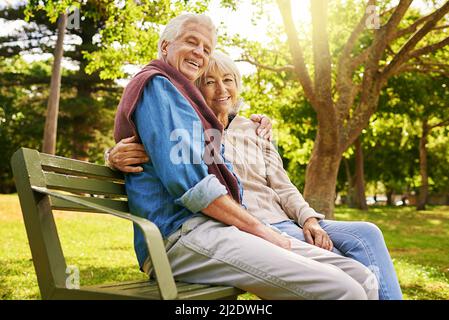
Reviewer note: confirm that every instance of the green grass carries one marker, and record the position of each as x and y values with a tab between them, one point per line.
99	246
418	242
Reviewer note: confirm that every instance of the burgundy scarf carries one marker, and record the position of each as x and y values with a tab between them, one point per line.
124	126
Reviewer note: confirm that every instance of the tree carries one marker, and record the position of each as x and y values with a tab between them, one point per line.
423	98
359	197
97	49
345	94
22	113
51	120
53	9
86	102
390	151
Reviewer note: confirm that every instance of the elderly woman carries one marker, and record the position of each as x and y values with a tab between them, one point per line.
210	237
269	194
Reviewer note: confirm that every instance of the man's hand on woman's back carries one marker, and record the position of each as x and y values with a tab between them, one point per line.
265	126
127	154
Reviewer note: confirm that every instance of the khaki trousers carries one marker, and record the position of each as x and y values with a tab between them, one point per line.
206	251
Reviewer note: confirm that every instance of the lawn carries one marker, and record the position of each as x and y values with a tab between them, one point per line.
418	242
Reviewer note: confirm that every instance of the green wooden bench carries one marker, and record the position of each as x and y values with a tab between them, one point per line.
46	183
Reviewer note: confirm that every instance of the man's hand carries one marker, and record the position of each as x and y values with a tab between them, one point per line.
265	126
274	237
314	234
126	154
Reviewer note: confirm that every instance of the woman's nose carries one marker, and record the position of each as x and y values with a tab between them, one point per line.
221	87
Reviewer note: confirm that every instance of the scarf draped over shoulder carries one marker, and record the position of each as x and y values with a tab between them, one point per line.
124	125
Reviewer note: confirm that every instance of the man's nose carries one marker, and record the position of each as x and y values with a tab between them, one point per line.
199	50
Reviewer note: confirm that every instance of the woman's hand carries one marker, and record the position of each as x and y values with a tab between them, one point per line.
314	234
265	126
126	154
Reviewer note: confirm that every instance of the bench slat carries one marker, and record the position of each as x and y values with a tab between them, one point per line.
77	167
61	204
83	185
149	290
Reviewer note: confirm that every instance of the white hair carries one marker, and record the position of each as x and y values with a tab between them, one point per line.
174	28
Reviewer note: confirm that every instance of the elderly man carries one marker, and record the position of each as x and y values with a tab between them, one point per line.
196	203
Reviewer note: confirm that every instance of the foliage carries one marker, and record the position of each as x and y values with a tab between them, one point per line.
275	91
87	103
130	33
411	98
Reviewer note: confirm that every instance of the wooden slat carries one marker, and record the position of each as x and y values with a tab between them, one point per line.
149	290
61	204
77	167
187	291
152	286
123	284
210	293
83	185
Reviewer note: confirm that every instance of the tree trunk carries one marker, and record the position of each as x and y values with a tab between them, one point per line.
350	192
389	197
359	180
80	139
51	120
424	189
321	177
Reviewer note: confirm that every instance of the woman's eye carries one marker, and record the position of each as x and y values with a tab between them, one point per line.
210	82
229	80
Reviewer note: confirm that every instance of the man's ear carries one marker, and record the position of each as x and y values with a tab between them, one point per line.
164	45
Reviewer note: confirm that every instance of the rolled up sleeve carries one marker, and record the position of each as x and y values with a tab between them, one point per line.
202	194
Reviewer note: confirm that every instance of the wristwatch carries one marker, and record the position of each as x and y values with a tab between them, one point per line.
106	158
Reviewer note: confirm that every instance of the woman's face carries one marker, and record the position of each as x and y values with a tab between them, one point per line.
220	91
189	52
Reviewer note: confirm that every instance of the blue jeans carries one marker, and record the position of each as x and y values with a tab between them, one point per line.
361	241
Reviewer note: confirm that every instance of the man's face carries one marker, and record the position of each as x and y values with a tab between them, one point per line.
189	52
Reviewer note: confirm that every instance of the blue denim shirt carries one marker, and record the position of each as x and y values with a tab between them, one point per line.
175	184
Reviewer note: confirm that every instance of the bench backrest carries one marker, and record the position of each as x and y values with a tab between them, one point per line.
95	183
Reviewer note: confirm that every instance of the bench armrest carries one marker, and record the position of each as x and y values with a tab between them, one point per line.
153	238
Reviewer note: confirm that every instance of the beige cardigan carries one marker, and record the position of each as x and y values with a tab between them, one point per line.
268	192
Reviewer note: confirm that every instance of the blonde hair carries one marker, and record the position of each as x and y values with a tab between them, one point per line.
174	28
